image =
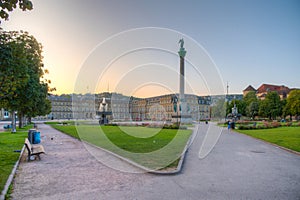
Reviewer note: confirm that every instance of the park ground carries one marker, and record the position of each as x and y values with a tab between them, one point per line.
237	168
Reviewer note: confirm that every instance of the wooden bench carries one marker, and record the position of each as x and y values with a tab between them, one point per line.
33	150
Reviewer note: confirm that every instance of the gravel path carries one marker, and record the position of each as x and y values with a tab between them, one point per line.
68	171
239	167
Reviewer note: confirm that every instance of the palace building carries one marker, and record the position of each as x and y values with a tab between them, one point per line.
126	108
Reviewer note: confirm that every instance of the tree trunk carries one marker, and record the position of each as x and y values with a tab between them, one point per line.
29	120
20	116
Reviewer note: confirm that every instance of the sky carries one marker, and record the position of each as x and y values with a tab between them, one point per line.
98	45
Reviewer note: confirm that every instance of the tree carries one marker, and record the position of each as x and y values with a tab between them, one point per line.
252	104
241	107
271	106
218	111
292	106
12	71
250	97
29	96
9	5
252	109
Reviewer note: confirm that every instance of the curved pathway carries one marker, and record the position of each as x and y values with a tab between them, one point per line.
238	167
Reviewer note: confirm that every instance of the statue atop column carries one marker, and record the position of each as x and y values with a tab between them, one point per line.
182	50
181	41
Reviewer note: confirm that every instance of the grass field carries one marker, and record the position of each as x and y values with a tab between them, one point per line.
153	148
8	144
288	137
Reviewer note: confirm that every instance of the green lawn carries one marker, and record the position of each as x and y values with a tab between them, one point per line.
8	144
288	137
151	147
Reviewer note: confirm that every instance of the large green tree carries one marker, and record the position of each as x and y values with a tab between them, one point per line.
250	97
271	106
27	96
218	110
9	5
292	106
252	109
240	104
252	104
13	72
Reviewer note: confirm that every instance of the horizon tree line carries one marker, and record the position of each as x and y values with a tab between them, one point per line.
272	107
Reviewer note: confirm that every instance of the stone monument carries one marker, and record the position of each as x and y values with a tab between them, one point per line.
182	113
103	112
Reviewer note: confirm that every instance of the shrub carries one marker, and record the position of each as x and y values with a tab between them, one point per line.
275	124
289	124
155	125
244	122
145	124
267	125
243	127
113	124
261	127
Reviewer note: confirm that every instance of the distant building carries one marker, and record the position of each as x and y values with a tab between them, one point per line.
282	90
248	89
4	114
229	98
84	106
61	107
262	91
162	107
125	108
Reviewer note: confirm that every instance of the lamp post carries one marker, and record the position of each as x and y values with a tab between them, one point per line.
13	128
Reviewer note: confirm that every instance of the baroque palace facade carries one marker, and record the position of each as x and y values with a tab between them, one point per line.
125	108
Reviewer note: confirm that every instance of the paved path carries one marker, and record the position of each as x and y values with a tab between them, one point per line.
238	167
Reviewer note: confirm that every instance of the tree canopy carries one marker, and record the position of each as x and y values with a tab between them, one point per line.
9	5
219	109
293	103
271	106
252	104
23	87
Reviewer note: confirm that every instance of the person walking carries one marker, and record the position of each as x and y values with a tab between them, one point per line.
228	125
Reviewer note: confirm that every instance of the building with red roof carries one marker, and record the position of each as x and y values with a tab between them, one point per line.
262	91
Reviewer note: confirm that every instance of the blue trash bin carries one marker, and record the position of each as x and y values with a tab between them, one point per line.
36	137
30	135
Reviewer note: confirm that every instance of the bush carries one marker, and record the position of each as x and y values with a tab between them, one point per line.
113	124
261	127
145	124
243	127
155	125
267	125
275	124
289	124
166	126
244	122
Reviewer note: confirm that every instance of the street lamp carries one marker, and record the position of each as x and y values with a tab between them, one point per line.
13	128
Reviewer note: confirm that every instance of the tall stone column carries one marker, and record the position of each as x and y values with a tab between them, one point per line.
182	53
181	112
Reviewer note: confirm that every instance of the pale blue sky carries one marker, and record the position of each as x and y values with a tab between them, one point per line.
251	42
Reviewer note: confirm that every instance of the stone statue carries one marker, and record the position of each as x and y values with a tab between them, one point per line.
181	41
181	51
